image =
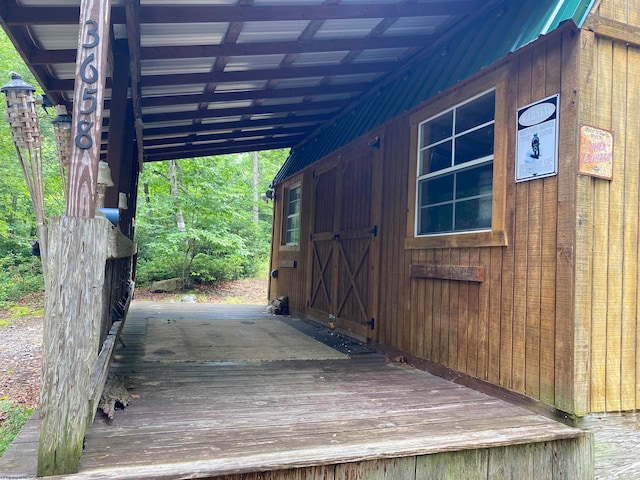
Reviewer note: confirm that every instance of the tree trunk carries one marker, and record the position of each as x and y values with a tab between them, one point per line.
256	180
173	175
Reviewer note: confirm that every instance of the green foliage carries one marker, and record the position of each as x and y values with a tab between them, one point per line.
22	273
221	240
12	417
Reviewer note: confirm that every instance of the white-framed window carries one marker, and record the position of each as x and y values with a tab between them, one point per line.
454	186
292	221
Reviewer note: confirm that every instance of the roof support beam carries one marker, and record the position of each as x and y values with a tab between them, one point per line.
253	110
204	151
221	126
248	75
132	10
39	57
38	15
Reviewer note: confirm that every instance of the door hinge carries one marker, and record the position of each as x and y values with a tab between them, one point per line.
371	323
374	231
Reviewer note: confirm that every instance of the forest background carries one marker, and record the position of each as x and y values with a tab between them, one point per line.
202	220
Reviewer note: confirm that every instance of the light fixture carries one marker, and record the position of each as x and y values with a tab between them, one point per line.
104	181
25	134
62	129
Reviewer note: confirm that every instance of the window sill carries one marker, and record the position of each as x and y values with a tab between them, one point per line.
289	248
495	238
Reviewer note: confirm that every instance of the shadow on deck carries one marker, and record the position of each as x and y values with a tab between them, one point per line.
230	392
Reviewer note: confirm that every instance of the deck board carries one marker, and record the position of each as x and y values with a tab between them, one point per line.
207	419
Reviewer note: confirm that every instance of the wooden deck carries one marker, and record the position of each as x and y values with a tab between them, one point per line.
342	417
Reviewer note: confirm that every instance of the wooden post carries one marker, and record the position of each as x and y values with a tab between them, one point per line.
78	250
77	256
88	98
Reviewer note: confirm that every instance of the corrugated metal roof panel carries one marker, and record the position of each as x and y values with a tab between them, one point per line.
175	34
500	31
285	30
175	65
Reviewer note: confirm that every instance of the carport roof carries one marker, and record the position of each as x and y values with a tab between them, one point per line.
243	75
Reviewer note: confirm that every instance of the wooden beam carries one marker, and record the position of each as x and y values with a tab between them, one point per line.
119	246
43	15
248	75
613	29
225	149
213	137
117	117
350	89
101	368
89	82
217	127
45	57
448	272
239	111
132	14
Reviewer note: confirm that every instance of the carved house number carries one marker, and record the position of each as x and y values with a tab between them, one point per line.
89	75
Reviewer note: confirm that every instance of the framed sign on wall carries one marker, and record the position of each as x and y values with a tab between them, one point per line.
537	139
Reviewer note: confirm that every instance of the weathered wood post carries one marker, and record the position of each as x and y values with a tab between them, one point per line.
77	255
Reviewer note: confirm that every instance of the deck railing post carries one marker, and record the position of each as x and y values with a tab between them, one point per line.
78	251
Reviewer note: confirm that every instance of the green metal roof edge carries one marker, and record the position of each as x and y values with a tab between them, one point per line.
502	30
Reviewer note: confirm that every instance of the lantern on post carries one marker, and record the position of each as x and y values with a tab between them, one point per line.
25	134
104	181
62	129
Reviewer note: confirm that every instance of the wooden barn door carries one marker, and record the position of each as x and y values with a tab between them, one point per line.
344	276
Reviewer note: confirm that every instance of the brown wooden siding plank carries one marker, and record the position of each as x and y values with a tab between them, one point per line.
473	337
483	319
520	244
418	288
443	354
507	318
463	317
454	311
550	207
495	318
429	318
601	237
616	238
630	270
573	376
437	312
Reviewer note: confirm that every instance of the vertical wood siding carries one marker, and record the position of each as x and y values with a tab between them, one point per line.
555	317
608	214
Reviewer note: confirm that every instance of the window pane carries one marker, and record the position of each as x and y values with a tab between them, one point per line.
294	201
437	129
436	190
436	219
436	158
474	214
478	112
475	181
475	144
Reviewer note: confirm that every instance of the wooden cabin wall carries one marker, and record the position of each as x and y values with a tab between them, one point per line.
290	262
515	328
608	213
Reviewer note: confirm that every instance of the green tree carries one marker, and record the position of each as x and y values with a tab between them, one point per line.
221	240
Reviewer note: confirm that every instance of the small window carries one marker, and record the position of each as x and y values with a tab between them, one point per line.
292	224
455	169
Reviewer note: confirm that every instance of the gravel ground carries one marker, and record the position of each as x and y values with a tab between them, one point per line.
21	360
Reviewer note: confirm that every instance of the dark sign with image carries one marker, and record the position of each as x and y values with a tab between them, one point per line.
537	139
